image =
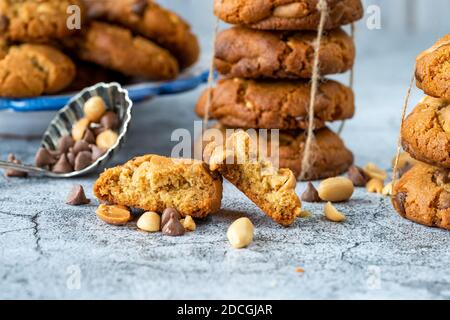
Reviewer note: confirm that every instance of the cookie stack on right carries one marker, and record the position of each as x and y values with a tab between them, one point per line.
423	193
266	63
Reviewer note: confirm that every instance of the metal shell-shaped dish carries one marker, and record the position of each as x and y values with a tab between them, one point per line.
116	99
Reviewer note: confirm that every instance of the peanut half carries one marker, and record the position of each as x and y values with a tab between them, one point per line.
150	222
387	190
113	214
375	186
240	233
79	128
336	189
332	214
94	109
188	223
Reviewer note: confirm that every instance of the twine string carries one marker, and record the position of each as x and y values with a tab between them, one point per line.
322	6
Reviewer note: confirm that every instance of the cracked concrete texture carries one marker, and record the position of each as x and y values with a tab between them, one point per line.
47	246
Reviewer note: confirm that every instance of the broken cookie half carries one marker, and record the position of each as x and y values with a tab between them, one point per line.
270	188
154	183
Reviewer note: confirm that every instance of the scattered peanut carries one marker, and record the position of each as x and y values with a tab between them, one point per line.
150	222
375	185
336	189
387	190
106	139
374	172
332	214
188	223
79	128
113	214
304	214
94	109
240	233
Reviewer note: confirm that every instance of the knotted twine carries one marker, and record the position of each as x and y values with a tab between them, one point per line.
322	7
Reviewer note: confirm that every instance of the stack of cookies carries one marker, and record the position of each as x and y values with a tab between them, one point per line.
48	46
266	61
423	193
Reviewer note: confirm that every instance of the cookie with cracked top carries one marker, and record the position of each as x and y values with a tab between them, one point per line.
433	69
422	195
426	132
276	104
247	53
287	14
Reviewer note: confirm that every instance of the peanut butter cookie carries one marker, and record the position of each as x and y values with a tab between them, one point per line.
118	49
423	196
247	53
154	183
148	19
36	21
276	104
271	189
426	132
31	70
287	14
433	69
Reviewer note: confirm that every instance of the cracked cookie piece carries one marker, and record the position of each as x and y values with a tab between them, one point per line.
433	69
31	70
148	19
329	155
118	49
36	20
271	189
426	132
154	183
276	104
247	53
423	196
287	14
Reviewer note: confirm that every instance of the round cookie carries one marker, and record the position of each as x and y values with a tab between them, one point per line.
426	132
116	48
329	156
36	21
148	19
423	196
31	70
247	53
271	104
433	69
287	14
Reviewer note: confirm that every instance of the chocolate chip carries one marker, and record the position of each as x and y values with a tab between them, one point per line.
4	23
11	173
444	201
77	197
173	228
83	160
399	202
71	156
44	158
98	130
63	165
169	213
96	152
357	176
441	176
310	194
65	143
139	7
89	136
110	120
80	146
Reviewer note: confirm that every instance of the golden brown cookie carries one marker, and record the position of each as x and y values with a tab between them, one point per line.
271	189
148	19
247	53
426	132
271	104
118	49
329	156
36	21
31	70
433	69
423	196
287	14
154	183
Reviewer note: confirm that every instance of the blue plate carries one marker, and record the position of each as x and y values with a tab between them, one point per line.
190	80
